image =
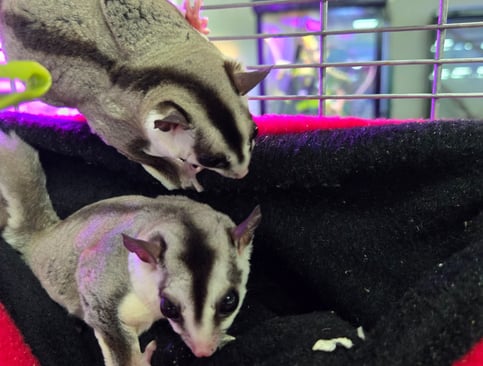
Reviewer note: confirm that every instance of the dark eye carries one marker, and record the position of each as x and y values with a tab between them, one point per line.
213	161
229	303
169	310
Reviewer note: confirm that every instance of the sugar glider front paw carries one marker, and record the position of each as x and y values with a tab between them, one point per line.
188	176
148	353
192	15
185	175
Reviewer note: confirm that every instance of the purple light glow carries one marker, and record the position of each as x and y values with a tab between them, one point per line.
43	109
70	124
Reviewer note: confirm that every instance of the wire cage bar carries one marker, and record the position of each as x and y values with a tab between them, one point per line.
446	84
436	63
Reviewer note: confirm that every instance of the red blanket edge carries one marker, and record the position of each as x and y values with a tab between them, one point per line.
272	124
14	351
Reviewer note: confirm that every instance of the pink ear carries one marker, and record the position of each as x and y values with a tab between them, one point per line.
164	126
148	252
171	121
245	81
243	234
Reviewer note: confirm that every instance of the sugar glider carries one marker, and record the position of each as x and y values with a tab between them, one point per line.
122	263
149	83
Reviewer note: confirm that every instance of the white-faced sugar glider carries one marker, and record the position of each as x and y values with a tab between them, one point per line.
148	82
122	263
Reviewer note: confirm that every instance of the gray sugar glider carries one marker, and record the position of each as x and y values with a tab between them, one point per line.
146	78
122	263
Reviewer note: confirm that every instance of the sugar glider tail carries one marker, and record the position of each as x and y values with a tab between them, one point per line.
25	206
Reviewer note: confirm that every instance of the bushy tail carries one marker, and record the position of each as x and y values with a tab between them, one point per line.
25	206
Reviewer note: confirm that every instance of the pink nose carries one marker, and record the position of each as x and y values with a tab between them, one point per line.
203	350
240	175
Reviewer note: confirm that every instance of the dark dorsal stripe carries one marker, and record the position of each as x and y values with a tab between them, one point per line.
39	37
149	78
199	258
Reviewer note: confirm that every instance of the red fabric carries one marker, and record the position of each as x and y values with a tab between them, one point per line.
474	357
280	124
13	350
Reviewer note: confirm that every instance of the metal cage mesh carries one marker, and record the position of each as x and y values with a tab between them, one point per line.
449	84
437	62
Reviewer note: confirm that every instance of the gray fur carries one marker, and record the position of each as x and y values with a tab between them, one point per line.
83	265
21	219
117	61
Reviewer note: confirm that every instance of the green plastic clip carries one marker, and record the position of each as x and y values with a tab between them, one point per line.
37	80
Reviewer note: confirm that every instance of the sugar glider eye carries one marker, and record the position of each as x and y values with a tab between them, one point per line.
218	161
229	303
170	310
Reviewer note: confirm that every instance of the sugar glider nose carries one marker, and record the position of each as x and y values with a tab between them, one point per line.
203	350
241	174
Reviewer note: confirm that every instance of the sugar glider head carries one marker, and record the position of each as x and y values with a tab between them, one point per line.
205	265
200	123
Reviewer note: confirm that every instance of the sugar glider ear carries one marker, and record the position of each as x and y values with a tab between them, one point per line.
246	80
172	120
243	234
147	251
